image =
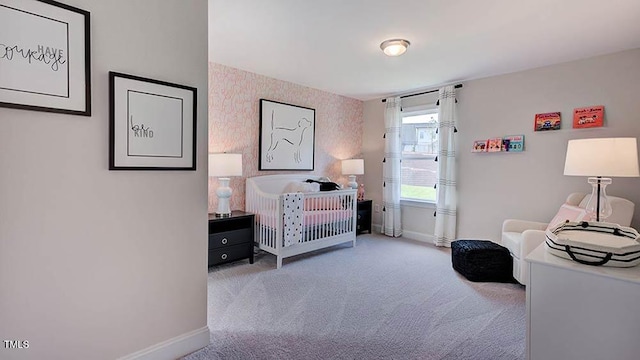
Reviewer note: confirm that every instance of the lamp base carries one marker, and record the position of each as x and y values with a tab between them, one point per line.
598	205
352	182
224	193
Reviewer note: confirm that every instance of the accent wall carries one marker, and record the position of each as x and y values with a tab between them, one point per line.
234	124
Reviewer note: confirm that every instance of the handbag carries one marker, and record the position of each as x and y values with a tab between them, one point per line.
594	243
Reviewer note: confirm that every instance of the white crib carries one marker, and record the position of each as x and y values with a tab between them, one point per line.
328	217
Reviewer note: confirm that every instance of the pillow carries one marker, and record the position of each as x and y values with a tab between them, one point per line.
302	187
568	213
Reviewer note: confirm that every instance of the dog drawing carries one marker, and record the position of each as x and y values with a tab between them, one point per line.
292	136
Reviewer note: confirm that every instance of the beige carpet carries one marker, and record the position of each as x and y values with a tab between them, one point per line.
384	299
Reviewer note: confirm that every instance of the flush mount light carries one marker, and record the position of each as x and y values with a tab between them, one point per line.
395	47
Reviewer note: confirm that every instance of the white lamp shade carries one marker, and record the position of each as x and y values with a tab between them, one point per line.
353	167
612	157
225	165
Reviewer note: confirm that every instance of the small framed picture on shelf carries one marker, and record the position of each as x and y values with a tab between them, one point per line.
547	121
513	143
494	145
479	146
588	117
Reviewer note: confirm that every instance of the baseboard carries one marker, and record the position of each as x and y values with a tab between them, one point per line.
377	228
428	238
174	348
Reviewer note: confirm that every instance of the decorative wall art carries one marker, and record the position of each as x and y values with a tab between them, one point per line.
287	136
510	143
547	121
588	117
513	143
152	124
44	57
479	146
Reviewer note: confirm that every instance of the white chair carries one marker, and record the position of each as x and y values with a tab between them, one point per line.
521	236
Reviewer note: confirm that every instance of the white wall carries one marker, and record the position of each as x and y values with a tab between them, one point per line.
528	185
98	264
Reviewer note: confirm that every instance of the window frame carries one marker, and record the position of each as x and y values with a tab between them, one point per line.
415	111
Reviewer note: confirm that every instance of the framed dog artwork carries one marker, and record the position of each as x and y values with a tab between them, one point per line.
287	136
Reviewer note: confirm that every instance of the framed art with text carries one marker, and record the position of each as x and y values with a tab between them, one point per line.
152	124
547	121
45	57
287	136
588	117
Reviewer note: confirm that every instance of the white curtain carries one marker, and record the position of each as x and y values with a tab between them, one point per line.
445	227
391	222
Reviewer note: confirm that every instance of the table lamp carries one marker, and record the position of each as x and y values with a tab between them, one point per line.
615	157
353	167
223	166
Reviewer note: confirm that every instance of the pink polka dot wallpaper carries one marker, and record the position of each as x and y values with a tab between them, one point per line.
234	124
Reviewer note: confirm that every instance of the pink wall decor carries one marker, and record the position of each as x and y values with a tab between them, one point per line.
234	122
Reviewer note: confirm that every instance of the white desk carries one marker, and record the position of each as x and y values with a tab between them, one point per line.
581	312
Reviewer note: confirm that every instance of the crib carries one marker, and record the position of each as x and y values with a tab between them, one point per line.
324	218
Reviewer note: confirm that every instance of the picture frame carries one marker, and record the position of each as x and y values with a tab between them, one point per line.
547	121
152	124
45	57
588	117
479	146
287	136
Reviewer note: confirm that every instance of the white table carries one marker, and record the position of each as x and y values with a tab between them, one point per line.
581	312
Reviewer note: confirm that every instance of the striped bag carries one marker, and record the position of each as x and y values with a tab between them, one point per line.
595	243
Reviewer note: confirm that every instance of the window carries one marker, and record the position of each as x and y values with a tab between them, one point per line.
419	149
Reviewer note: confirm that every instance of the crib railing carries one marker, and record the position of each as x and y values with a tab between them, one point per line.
328	214
267	212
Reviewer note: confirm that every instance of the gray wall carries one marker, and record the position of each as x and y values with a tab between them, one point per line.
98	264
528	185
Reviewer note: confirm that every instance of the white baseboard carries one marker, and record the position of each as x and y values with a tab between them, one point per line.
428	238
174	348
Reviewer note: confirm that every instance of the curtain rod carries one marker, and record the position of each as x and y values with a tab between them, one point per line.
458	86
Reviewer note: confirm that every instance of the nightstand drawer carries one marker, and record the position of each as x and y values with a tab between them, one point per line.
229	238
230	253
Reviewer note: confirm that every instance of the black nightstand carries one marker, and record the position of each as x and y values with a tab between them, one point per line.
364	216
231	238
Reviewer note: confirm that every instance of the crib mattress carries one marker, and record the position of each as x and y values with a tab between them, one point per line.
311	217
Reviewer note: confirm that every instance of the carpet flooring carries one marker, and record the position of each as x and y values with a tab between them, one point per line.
384	299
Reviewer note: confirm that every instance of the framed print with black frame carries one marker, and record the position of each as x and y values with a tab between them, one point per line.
152	124
287	136
45	57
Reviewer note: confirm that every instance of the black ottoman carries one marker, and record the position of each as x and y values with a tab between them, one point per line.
482	260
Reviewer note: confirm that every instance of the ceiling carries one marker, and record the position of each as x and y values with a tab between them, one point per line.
333	45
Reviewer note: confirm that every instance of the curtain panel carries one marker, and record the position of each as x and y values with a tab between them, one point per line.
446	199
391	168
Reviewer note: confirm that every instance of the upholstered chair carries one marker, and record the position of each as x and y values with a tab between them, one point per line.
521	236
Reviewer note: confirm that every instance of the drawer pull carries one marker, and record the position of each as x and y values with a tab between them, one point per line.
359	217
224	256
224	241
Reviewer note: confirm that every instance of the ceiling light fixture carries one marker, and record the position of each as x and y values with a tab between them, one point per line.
395	47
